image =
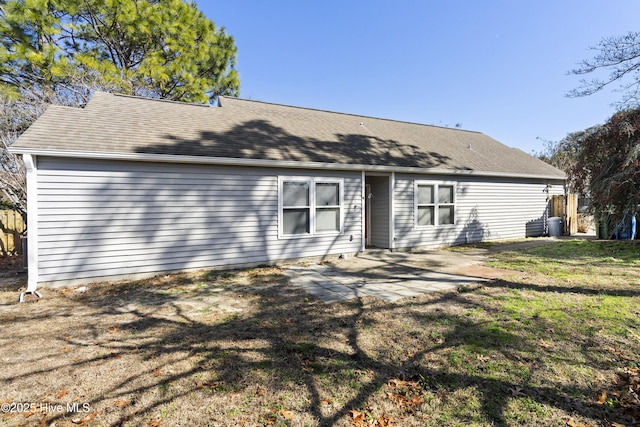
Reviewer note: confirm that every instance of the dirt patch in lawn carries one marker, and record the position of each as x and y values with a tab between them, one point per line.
483	271
247	348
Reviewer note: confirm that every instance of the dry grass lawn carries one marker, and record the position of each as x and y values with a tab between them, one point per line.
556	343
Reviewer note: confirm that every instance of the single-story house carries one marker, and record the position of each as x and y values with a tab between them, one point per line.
129	186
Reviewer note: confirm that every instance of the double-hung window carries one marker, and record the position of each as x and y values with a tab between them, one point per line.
310	206
435	204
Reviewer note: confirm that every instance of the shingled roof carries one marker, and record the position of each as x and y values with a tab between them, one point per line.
116	125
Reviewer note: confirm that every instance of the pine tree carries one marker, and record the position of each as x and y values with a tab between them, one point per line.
59	51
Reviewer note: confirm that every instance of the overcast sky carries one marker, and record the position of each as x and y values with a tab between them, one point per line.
494	66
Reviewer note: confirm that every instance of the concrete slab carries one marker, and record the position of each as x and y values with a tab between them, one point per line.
390	276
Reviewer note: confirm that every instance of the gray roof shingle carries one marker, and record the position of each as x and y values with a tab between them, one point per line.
244	129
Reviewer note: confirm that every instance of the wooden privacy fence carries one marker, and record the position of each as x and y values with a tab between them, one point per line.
12	227
566	207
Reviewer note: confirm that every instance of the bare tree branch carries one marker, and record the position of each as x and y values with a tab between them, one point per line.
620	56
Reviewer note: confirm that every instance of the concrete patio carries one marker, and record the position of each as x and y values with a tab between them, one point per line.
389	276
332	285
392	276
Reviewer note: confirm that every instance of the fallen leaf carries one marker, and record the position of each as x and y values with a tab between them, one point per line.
86	419
544	344
286	414
154	423
62	393
113	330
385	421
356	414
602	397
574	423
121	403
157	372
271	418
207	384
416	400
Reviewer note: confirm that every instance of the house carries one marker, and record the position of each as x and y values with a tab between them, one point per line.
128	187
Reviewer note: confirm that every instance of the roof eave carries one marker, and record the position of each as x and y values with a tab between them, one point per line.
229	161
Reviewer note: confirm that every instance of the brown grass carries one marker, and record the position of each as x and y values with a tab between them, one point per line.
247	348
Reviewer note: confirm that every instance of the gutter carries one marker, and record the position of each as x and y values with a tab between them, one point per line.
229	161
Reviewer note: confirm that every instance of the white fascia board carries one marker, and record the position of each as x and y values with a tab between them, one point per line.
229	161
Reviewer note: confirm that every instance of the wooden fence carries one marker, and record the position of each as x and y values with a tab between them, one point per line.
12	227
567	209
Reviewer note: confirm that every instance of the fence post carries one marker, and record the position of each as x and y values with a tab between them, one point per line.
12	228
572	214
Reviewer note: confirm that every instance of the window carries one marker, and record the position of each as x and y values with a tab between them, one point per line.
435	204
445	205
296	207
327	207
310	206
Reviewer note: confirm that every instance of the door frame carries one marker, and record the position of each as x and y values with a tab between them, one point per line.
367	214
367	220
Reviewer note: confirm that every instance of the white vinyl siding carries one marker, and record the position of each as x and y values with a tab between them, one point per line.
485	209
114	218
99	219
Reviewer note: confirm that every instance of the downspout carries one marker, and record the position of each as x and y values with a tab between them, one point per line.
32	226
363	213
392	220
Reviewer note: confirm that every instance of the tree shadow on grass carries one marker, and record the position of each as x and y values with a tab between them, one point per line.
287	355
631	291
583	254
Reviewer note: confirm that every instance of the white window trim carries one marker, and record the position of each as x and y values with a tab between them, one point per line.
436	205
312	205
